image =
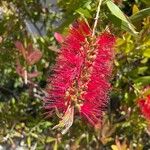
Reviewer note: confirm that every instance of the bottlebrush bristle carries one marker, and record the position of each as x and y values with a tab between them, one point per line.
81	74
144	104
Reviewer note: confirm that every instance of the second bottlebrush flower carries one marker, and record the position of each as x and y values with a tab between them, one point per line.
80	82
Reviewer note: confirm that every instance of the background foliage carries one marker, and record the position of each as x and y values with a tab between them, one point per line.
22	118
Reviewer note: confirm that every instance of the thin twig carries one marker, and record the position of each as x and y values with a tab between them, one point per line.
96	18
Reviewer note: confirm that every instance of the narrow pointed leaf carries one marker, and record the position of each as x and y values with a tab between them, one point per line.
140	15
119	19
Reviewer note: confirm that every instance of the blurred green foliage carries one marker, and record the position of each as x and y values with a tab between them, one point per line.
22	118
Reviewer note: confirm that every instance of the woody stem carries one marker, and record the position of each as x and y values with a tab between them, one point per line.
96	18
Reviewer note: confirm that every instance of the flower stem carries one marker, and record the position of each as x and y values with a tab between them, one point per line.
96	18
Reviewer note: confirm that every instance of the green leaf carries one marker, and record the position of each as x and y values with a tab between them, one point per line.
118	18
147	2
70	7
143	80
115	10
45	124
84	12
29	141
88	5
50	139
141	70
147	53
140	15
55	145
34	135
135	9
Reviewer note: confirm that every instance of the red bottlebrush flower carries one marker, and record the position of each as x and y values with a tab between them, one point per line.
81	74
144	105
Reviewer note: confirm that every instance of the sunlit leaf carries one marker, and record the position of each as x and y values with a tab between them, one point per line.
55	145
146	53
141	70
29	141
118	18
34	135
114	147
50	139
84	12
135	9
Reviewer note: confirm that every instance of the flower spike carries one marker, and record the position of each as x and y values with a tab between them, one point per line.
81	74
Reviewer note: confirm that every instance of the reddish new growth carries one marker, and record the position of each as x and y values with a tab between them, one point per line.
31	57
81	74
144	104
